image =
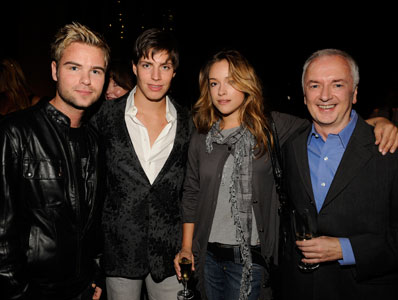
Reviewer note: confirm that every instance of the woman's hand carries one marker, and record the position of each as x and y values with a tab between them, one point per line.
187	253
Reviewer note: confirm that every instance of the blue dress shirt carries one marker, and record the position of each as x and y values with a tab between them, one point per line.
324	158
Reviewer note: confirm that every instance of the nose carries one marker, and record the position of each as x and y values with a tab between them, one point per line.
85	78
325	93
108	92
221	89
155	74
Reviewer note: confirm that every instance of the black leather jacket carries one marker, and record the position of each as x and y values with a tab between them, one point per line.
47	249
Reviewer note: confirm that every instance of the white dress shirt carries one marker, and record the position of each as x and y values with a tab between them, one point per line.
152	158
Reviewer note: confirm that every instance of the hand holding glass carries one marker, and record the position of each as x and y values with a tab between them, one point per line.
304	230
186	271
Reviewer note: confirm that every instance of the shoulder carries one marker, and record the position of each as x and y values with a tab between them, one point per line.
288	126
363	133
21	118
282	120
110	111
108	105
182	111
197	139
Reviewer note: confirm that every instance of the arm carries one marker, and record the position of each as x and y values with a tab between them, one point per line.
375	251
287	125
186	248
386	134
12	258
189	203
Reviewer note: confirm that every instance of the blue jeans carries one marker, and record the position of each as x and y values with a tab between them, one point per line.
222	279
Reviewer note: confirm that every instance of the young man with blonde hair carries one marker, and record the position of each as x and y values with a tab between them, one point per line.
49	205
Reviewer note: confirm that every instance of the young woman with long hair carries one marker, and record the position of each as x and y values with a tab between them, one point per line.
230	203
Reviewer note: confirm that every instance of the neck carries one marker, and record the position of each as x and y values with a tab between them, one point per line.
227	123
145	105
324	130
75	115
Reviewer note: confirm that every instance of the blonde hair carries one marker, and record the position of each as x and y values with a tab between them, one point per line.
252	112
77	33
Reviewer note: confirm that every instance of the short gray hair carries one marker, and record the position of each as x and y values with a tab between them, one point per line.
332	52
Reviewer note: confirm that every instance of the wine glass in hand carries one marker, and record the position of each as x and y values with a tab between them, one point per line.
304	230
186	271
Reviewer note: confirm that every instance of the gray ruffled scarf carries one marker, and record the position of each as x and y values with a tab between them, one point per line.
241	143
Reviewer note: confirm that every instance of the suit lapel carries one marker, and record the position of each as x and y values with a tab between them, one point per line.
121	129
355	157
181	140
300	152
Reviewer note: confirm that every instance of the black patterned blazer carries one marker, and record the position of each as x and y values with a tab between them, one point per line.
141	222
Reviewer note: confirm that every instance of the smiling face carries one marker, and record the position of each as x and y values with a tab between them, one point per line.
329	93
225	97
80	76
154	74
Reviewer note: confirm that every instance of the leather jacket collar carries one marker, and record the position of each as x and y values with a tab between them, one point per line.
56	115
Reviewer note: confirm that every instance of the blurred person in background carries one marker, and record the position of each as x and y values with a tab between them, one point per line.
15	93
121	79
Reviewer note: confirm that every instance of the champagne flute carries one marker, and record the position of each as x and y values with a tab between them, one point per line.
304	230
186	271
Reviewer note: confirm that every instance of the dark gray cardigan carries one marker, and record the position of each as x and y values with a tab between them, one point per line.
202	183
141	222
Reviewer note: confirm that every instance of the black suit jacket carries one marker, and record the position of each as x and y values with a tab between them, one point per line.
362	205
141	222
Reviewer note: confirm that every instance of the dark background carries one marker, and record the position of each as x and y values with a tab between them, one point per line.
276	38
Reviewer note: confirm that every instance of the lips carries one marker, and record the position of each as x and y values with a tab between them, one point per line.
223	101
84	92
154	88
329	106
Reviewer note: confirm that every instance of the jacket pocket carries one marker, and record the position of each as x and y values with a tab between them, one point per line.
43	169
45	182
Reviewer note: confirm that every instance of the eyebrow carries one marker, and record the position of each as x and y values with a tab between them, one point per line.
168	62
317	81
79	65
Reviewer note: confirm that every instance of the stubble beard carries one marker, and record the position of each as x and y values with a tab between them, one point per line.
71	101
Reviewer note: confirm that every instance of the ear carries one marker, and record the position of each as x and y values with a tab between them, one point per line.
174	74
54	70
354	97
305	100
135	69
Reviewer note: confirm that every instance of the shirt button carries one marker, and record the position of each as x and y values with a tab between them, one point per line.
323	184
325	158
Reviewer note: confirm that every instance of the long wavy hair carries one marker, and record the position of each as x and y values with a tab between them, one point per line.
252	112
14	89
